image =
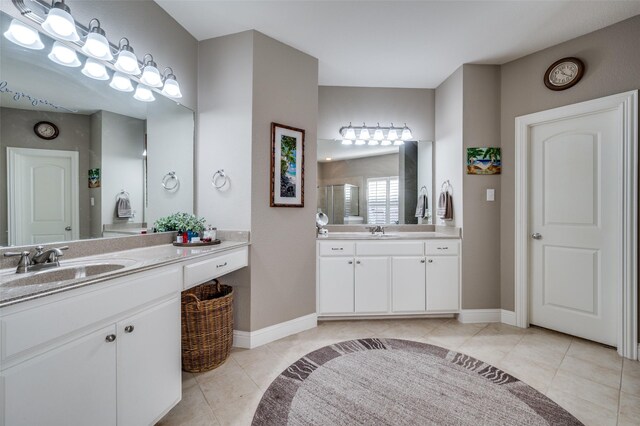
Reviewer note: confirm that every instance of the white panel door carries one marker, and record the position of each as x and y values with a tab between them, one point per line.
372	285
575	244
149	364
71	385
335	291
443	283
408	284
43	195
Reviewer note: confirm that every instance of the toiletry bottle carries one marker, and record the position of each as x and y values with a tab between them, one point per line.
212	233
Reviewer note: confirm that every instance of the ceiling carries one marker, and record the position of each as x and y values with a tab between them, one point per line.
414	44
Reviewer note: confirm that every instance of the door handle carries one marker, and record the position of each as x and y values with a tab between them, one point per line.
536	236
68	228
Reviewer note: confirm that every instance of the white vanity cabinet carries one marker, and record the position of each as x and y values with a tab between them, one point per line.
105	355
388	277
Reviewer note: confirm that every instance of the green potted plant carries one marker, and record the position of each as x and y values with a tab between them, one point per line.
181	222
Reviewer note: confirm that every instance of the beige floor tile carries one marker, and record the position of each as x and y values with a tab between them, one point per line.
629	413
631	368
598	394
596	353
192	410
265	372
538	353
249	357
489	354
583	410
631	384
588	370
219	390
538	376
229	366
238	411
188	380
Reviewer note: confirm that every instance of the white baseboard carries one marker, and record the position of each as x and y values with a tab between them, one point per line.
468	316
253	339
508	317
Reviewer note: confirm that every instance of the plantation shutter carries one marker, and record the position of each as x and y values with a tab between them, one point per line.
382	200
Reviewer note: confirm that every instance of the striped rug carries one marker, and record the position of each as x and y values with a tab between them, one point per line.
399	382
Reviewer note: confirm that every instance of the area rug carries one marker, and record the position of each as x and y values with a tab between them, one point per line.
399	382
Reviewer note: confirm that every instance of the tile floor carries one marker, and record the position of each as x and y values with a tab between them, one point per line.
590	381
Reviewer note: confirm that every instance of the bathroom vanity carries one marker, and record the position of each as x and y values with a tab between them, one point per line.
400	274
101	350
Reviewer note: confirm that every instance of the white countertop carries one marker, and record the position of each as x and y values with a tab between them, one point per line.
389	236
135	260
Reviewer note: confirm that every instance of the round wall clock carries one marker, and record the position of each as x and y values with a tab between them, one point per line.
564	73
46	130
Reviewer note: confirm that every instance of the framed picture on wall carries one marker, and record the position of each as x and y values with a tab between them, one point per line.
287	166
484	161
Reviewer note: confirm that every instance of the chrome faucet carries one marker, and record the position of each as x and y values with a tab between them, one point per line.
41	259
376	229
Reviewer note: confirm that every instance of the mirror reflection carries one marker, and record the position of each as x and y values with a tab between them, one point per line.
84	160
375	185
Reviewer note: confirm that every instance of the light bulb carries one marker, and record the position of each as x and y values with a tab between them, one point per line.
406	133
385	143
23	35
171	88
60	24
364	134
392	135
144	94
63	55
121	82
95	69
350	133
96	44
378	135
150	74
398	143
347	142
373	142
127	61
360	142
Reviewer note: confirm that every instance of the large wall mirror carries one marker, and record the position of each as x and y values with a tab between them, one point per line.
69	182
375	185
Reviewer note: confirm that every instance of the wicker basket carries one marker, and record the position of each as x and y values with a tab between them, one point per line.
207	326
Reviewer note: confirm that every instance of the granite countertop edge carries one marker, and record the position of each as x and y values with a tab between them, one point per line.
142	264
335	236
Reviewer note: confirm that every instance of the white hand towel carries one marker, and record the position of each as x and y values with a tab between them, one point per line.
123	207
445	206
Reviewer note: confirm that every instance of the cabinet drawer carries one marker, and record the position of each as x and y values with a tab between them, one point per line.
336	249
389	248
436	247
200	272
42	325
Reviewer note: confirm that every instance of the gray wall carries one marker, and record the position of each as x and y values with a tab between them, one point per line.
149	29
95	161
246	81
448	147
75	135
337	106
356	171
283	265
481	227
612	66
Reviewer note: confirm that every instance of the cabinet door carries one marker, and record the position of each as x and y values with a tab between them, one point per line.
443	283
335	287
408	284
372	285
74	384
149	364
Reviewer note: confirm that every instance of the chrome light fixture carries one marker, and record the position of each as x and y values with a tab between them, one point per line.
363	135
347	142
95	69
127	62
59	23
96	44
144	94
23	35
150	74
171	87
64	55
121	82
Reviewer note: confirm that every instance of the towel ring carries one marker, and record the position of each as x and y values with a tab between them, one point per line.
168	178
446	186
121	193
218	176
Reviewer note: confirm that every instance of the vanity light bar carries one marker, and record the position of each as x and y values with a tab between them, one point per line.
70	35
375	135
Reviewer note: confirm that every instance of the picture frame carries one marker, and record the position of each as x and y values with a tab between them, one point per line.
287	166
484	161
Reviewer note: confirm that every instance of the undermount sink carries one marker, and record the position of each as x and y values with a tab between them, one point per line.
61	273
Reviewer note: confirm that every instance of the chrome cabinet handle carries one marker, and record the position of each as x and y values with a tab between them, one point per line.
110	338
443	248
357	262
351	262
422	260
220	266
68	228
129	329
430	260
337	248
536	236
